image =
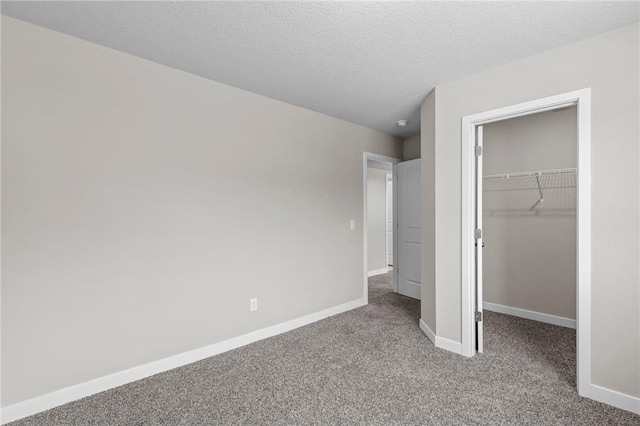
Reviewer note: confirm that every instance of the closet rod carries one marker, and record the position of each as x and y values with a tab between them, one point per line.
531	174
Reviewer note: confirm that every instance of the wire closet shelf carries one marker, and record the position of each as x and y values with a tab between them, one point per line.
535	192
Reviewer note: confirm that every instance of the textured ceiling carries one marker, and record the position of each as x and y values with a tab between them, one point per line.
368	63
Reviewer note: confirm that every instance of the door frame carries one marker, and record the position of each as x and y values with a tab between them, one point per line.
582	100
366	156
386	216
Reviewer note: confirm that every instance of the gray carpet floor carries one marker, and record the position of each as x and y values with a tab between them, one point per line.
371	365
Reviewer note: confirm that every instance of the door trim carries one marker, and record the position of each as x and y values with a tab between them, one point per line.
366	156
581	99
478	242
386	217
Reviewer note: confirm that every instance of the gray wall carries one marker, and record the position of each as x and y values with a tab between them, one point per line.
609	65
427	176
530	257
411	148
376	218
142	207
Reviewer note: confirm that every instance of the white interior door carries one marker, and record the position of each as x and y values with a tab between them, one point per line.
389	219
409	238
479	242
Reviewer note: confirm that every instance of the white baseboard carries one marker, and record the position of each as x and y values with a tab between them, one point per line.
440	342
377	272
426	330
614	398
531	315
450	345
45	402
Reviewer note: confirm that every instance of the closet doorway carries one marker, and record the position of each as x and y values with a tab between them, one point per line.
526	191
528	206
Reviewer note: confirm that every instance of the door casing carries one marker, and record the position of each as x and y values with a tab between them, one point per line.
582	100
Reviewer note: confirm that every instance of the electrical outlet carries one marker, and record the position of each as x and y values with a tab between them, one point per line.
352	224
253	304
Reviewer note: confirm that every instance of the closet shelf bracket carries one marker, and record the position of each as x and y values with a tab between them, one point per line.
539	191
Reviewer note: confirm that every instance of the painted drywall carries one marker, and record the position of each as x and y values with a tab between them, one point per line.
376	219
428	175
411	148
609	65
529	257
142	207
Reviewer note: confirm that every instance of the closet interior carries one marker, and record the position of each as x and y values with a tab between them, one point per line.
529	218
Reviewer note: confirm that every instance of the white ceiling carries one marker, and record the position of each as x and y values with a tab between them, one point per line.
367	63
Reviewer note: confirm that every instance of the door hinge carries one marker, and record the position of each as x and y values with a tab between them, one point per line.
478	316
478	150
478	234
